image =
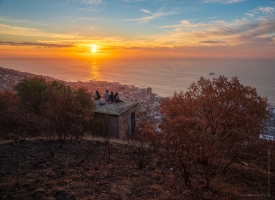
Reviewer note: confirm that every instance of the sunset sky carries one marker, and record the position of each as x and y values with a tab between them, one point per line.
137	29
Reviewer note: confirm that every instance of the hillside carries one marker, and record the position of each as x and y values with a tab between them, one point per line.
40	169
93	169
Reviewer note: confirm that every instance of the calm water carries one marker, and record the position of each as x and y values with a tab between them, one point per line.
164	77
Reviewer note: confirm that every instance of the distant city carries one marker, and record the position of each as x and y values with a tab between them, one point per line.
149	102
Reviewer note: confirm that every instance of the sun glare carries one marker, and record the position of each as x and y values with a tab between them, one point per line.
93	48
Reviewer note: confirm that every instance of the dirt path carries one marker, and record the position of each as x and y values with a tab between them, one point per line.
89	138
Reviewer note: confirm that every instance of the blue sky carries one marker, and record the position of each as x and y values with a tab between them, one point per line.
176	25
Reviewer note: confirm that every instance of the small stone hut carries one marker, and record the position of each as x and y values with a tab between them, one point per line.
119	118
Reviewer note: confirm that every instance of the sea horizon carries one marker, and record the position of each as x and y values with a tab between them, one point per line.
164	76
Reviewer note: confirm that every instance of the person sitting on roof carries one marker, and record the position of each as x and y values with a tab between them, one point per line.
106	96
116	98
97	95
111	97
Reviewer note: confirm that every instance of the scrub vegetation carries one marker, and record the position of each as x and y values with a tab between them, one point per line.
206	147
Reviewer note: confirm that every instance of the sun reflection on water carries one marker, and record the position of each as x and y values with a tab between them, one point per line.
95	72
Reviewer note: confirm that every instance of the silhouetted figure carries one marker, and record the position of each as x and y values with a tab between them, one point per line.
97	95
111	97
106	96
116	98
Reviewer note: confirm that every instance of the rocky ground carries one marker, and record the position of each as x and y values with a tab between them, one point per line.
41	169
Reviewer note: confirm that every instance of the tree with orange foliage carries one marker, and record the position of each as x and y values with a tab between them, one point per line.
209	124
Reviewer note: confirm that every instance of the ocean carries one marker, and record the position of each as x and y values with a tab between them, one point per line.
164	77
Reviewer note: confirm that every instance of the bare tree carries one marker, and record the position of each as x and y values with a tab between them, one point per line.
102	127
143	144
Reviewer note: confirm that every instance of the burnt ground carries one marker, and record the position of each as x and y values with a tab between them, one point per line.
41	169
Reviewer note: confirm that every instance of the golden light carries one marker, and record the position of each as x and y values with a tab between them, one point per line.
93	48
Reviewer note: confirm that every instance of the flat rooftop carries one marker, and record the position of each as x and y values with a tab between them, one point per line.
113	108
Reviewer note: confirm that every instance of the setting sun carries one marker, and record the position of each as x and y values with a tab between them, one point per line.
93	48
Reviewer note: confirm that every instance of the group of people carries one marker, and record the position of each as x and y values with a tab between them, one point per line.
108	97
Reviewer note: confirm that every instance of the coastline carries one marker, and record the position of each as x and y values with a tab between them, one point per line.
149	102
164	77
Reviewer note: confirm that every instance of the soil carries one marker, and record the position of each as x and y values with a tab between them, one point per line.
41	169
